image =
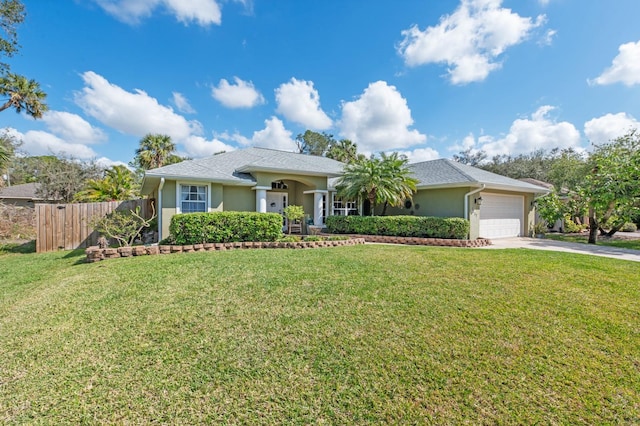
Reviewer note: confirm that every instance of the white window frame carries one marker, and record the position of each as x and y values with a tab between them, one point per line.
207	194
344	207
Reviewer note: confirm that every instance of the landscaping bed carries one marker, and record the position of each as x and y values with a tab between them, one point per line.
96	254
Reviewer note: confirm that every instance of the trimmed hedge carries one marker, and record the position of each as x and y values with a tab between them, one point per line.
400	226
225	227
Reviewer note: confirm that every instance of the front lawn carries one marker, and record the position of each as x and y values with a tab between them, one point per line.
603	241
364	334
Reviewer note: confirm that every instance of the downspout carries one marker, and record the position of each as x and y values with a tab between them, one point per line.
466	200
160	209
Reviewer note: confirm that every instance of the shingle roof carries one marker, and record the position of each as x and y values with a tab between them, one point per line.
234	167
444	172
26	191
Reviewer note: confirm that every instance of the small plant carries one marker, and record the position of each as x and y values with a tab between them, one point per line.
540	228
289	239
123	226
293	213
629	227
313	238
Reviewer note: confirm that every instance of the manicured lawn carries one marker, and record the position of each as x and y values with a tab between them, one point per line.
628	244
365	334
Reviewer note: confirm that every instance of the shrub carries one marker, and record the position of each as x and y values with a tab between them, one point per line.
629	227
570	226
401	226
17	222
122	226
225	227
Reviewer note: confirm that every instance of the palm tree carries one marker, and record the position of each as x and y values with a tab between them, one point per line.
118	184
155	151
380	180
22	94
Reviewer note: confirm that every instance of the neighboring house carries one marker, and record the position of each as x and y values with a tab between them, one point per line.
23	195
265	180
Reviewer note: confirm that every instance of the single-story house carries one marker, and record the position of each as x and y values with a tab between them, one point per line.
23	195
267	180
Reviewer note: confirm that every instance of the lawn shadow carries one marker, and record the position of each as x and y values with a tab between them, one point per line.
19	248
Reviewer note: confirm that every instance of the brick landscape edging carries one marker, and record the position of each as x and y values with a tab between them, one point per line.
96	254
480	242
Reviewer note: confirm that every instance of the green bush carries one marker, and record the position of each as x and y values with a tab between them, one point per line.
570	226
629	227
401	226
225	227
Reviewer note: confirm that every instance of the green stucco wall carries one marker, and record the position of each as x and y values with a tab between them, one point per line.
265	179
168	205
239	199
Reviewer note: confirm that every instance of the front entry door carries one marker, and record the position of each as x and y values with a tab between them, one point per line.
276	202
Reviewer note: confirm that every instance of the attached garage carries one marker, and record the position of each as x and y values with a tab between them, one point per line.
501	216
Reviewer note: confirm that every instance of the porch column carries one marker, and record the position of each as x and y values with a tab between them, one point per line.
261	198
318	208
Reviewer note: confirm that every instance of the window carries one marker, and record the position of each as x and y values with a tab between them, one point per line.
193	198
343	207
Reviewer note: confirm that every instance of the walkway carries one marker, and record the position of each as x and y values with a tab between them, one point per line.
546	244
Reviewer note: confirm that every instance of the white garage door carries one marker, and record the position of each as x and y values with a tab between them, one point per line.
501	216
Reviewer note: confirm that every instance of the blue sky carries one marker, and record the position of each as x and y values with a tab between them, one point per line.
426	78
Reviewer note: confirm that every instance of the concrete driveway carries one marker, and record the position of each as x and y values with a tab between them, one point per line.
551	245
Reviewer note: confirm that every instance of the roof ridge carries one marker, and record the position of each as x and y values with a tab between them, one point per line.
450	164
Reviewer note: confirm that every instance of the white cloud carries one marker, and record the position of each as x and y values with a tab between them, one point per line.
202	12
37	142
625	67
603	129
182	103
274	135
420	154
132	113
299	102
527	135
242	94
197	146
72	128
107	163
379	120
468	41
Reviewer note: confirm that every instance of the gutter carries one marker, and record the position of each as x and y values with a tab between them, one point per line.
160	209
466	199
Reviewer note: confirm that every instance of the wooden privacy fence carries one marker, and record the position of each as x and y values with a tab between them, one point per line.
68	226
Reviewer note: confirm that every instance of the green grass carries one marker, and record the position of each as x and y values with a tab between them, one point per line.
364	334
627	244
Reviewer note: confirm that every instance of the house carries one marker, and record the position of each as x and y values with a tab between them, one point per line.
266	180
252	179
24	195
496	206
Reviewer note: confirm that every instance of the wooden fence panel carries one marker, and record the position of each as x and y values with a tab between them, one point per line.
68	226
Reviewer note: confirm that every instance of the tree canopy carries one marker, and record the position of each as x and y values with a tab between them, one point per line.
155	150
612	186
118	184
16	91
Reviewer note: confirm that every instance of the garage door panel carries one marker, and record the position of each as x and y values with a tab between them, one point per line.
501	216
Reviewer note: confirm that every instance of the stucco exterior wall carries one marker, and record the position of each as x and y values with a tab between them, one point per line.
265	179
168	205
239	199
446	202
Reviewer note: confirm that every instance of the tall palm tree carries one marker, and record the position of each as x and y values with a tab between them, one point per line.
22	94
380	180
155	150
